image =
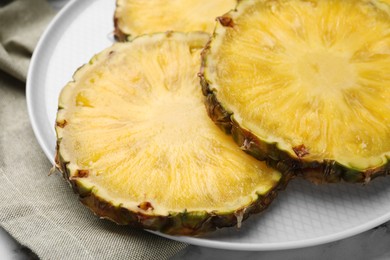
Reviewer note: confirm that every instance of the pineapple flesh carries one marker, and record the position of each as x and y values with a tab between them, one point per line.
305	84
137	17
136	143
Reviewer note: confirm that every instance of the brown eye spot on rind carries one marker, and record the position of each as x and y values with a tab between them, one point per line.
62	123
82	173
226	21
301	150
146	205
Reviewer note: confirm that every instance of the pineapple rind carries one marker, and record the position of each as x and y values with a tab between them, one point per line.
180	223
188	223
272	150
327	171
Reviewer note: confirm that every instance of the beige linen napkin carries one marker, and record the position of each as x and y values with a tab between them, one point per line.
41	211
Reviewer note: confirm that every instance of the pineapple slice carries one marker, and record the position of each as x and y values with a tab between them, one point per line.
137	145
136	17
305	84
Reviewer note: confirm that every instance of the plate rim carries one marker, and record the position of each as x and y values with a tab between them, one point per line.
31	109
38	130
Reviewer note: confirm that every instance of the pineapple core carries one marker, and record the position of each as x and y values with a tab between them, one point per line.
136	121
312	73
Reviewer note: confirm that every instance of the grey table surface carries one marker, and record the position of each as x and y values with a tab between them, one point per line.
373	244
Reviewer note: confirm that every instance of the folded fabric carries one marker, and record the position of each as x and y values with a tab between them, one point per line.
41	211
21	24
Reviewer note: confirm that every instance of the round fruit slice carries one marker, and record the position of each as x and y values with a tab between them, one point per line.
305	84
137	17
137	145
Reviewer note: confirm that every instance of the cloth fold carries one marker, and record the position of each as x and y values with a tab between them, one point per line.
21	24
41	211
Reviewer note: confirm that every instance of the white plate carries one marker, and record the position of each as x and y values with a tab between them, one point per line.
303	215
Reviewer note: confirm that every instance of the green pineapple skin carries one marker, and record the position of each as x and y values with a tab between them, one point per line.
327	171
186	223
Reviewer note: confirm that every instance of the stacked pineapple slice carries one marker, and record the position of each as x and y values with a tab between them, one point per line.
305	84
136	17
300	84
